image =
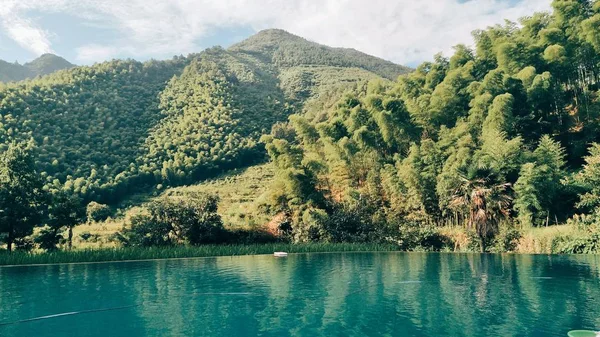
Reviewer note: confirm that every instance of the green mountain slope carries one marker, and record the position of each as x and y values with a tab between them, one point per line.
287	50
47	64
117	127
43	65
498	137
10	72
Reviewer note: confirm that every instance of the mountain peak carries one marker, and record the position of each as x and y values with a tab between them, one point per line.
48	63
285	49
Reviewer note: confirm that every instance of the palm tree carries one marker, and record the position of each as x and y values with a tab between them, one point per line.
484	203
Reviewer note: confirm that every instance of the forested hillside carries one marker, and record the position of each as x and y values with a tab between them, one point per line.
43	65
464	153
497	136
286	50
118	127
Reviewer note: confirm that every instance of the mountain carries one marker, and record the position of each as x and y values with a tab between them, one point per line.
48	63
43	65
112	128
286	50
10	72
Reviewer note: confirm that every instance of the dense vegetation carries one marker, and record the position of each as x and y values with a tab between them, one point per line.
104	132
495	140
118	127
43	65
493	137
284	50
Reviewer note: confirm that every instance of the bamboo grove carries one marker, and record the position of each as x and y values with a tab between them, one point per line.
500	134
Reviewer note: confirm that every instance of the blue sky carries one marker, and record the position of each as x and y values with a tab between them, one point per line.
89	31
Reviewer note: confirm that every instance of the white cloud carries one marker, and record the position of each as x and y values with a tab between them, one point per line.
27	34
404	31
94	52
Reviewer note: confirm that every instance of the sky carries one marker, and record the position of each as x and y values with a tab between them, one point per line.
87	31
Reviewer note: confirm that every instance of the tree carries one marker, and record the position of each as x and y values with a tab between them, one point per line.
538	189
485	203
22	198
66	210
527	190
589	179
192	219
97	212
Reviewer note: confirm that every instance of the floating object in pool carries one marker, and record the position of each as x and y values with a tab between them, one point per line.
280	254
584	333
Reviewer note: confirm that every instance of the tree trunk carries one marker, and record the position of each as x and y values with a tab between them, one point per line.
9	241
482	244
70	238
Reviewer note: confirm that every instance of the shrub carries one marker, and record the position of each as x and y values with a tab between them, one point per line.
97	212
48	238
507	239
589	244
24	244
349	225
145	231
308	225
418	237
86	236
192	219
251	236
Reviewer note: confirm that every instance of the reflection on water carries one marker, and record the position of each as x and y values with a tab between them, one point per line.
357	294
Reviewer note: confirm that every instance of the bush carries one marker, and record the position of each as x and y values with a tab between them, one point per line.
24	244
145	231
418	237
507	239
87	236
589	244
350	225
250	236
309	226
97	212
192	219
48	238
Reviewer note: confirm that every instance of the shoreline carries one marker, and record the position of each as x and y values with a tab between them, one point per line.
130	255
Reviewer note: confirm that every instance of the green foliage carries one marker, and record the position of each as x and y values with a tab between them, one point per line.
121	127
589	179
144	253
192	220
48	239
507	239
65	210
585	244
286	50
448	142
416	237
539	193
21	196
96	212
89	122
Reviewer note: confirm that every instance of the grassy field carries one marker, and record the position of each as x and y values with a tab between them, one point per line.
238	191
131	254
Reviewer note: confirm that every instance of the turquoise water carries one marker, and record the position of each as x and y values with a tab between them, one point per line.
352	294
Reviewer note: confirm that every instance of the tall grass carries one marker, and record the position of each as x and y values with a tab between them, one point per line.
131	254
